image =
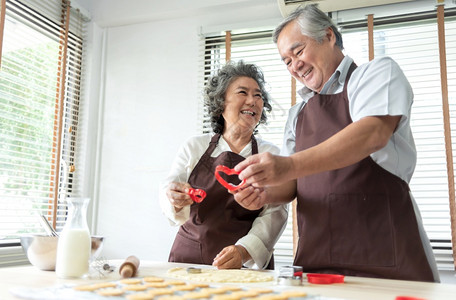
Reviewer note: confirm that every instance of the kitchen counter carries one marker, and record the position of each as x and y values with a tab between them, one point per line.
356	288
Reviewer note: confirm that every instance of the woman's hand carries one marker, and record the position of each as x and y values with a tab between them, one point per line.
250	197
177	193
231	257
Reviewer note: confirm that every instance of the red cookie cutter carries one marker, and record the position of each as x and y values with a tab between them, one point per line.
318	278
408	298
197	195
227	171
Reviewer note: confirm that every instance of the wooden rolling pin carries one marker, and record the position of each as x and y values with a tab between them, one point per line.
129	267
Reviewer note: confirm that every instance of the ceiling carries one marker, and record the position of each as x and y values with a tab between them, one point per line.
111	13
124	12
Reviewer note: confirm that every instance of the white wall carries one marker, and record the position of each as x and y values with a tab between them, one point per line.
142	95
149	109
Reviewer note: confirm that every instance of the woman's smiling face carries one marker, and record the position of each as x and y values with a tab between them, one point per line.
243	104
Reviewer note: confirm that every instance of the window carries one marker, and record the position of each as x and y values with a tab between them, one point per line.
414	45
41	66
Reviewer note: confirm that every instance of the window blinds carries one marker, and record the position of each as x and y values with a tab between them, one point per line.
414	46
39	104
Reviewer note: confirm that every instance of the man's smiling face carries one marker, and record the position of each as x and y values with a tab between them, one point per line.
310	62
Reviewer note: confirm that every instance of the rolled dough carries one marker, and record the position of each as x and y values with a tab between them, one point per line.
215	275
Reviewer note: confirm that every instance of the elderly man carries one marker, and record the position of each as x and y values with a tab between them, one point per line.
348	156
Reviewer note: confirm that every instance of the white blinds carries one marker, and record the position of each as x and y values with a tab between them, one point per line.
213	56
414	46
39	103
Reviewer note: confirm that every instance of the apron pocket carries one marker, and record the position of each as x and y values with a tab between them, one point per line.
360	230
186	250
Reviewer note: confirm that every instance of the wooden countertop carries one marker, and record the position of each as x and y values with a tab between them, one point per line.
356	288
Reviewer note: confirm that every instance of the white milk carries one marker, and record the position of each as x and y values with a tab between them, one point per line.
73	253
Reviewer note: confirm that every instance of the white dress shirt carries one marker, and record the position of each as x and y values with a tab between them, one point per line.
267	227
377	88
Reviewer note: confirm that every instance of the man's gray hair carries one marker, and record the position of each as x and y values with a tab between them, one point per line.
313	23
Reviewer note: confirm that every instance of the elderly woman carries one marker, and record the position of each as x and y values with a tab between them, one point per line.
218	231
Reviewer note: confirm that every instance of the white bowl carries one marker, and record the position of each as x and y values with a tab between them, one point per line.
41	250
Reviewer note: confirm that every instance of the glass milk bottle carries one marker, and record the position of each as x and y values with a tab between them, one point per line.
73	250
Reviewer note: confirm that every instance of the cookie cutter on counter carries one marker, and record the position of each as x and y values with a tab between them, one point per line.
192	270
290	275
227	171
318	278
197	195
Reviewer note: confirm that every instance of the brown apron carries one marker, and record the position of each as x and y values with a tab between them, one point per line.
218	221
358	220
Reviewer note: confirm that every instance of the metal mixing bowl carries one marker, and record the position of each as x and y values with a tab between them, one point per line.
41	250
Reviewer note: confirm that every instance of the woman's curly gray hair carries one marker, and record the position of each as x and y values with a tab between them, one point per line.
217	85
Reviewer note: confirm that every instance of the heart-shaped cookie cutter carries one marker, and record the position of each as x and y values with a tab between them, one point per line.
227	171
197	195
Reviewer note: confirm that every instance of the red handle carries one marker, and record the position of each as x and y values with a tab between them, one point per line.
222	181
197	195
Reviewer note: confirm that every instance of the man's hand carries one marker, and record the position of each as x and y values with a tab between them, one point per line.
265	169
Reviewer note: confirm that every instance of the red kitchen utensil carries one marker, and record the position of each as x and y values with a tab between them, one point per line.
227	171
408	298
318	278
197	195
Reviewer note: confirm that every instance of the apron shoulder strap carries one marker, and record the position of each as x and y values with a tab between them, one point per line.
254	145
212	144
